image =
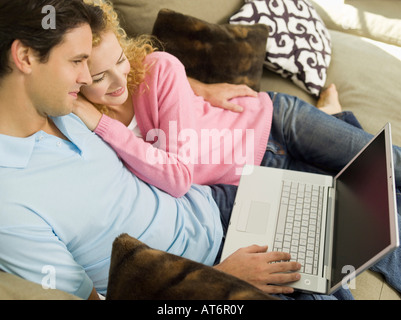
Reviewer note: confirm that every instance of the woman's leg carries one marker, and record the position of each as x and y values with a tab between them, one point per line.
303	138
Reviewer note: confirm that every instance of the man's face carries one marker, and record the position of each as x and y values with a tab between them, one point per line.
53	86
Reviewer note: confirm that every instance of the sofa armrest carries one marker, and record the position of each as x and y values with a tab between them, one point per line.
15	288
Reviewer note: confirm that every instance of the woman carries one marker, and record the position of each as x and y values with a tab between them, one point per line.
175	138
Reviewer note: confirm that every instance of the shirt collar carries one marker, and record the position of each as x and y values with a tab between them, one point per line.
16	152
74	129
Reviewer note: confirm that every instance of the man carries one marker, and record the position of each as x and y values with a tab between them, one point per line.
64	194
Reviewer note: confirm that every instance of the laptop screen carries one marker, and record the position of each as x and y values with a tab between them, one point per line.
362	221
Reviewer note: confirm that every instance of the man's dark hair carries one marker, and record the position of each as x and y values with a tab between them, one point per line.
22	20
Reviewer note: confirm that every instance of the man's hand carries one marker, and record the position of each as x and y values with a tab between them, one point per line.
220	94
267	271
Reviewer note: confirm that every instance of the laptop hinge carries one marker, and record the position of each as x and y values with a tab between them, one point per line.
329	234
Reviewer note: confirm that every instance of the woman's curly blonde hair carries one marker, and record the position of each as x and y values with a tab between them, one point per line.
135	49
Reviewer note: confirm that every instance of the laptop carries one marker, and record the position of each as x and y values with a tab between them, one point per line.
335	227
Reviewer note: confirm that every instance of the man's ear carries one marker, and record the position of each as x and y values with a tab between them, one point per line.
22	56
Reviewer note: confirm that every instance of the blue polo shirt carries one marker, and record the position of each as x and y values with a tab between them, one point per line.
62	204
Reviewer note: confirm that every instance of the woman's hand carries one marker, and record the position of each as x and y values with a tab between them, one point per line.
220	94
267	271
87	112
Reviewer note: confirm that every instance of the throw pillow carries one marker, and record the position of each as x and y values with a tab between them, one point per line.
299	45
138	272
214	53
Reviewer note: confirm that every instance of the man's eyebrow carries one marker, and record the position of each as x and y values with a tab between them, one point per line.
94	75
81	56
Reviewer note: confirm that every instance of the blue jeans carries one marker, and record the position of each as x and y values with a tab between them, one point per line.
303	138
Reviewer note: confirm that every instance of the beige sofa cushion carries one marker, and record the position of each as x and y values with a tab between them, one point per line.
375	19
367	73
15	288
138	16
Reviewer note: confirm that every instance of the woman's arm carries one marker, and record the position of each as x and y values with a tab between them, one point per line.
220	94
87	112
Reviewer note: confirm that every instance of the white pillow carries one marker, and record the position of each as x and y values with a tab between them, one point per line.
299	45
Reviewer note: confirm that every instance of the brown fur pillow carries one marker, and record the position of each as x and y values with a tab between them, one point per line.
214	53
138	272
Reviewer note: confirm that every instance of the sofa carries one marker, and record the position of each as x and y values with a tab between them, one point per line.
365	66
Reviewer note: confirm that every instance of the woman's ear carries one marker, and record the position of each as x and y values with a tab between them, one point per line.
22	56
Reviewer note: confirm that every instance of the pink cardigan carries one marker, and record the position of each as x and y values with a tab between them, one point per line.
187	140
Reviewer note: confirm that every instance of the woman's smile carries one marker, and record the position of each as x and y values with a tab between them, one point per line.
117	93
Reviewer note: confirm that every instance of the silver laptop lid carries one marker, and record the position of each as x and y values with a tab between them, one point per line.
365	221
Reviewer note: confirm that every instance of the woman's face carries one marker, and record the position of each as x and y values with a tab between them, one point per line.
109	68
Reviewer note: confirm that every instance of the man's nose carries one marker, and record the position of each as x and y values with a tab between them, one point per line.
85	77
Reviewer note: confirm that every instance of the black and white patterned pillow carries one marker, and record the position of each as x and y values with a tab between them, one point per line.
299	45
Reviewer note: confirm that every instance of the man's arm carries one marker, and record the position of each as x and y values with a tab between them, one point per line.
220	94
268	271
36	254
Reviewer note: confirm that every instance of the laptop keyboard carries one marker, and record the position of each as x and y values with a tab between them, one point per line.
299	224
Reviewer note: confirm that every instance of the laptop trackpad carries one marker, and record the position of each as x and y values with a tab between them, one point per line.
255	220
